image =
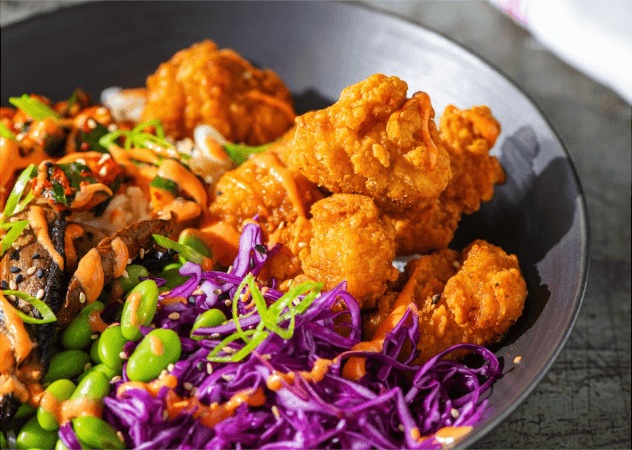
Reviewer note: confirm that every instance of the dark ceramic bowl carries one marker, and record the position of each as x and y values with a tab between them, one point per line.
318	49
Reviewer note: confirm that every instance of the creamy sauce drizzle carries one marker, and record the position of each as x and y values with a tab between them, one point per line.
37	219
156	346
121	256
22	344
97	324
73	231
134	304
90	275
284	176
90	194
64	411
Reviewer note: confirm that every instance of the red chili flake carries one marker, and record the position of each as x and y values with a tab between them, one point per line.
84	146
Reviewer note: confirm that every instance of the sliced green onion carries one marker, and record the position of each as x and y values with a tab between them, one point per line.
184	250
15	230
271	317
48	316
16	193
6	133
34	108
165	184
239	152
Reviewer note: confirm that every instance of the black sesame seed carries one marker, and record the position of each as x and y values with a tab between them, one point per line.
261	249
14	269
4	285
436	299
192	299
252	263
15	255
48	164
219	192
36	256
19	278
496	284
39	273
200	366
224	296
90	235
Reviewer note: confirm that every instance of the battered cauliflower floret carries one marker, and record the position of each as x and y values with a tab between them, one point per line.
205	85
350	243
468	136
262	186
469	297
376	142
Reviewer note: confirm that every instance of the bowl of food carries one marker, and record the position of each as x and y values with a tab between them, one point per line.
252	235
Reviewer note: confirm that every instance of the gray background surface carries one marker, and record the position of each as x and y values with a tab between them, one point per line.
584	401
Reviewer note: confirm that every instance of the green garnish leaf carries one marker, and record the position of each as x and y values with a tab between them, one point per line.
6	133
15	230
34	108
16	194
165	184
239	152
48	316
77	173
184	250
58	192
93	139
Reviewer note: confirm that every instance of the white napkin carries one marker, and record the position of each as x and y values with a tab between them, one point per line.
594	36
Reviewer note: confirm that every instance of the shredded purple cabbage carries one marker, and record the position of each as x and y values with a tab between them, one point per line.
387	408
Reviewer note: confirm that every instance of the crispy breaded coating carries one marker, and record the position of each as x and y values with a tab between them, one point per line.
205	85
376	142
351	242
262	186
468	297
468	136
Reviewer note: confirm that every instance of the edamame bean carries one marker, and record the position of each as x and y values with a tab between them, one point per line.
139	309
173	277
111	344
211	318
67	364
134	272
32	435
24	410
154	353
94	386
96	433
196	244
61	390
94	351
110	373
77	335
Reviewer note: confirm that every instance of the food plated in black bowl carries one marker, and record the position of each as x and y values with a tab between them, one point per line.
345	223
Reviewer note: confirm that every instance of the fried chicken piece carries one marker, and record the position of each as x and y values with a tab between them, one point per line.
468	136
376	142
350	242
205	85
262	186
469	297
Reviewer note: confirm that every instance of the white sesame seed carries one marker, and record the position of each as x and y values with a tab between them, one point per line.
227	377
112	127
125	274
82	297
194	390
81	161
455	413
103	171
229	350
123	355
217	291
229	269
163	373
266	356
170	367
275	411
120	435
400	427
12	285
31	270
197	292
91	123
228	302
102	111
209	368
188	386
142	253
456	264
215	335
302	245
116	378
40	294
103	159
87	366
165	414
129	261
517	359
94	336
174	316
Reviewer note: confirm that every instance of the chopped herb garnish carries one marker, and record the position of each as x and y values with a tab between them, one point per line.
48	316
92	139
6	133
239	152
165	184
184	250
34	108
13	206
14	231
285	308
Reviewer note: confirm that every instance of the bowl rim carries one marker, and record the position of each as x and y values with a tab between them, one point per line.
584	227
